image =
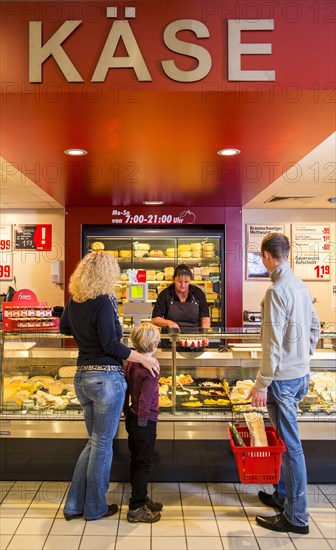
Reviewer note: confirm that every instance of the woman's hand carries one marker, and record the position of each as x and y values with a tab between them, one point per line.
172	324
151	364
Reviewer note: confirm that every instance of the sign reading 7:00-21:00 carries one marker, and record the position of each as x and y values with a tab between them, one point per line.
129	217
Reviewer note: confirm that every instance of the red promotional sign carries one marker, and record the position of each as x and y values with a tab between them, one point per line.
25	295
42	237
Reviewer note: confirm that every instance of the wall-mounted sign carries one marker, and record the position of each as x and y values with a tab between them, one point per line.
6	253
138	216
311	251
33	237
255	233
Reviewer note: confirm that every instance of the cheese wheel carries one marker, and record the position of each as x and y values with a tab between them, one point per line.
151	274
97	246
169	270
208	246
184	254
66	372
170	252
141	246
196	246
123	277
184	247
113	253
159	276
140	253
196	254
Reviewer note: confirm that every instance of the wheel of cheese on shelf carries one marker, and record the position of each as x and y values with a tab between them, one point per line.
140	253
156	253
195	246
184	248
170	252
125	254
197	273
123	277
150	274
113	253
205	271
97	245
159	276
196	253
169	270
184	254
141	246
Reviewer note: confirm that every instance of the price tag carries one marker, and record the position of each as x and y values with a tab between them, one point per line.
6	253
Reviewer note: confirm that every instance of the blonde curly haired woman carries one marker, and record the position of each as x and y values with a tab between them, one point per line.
91	317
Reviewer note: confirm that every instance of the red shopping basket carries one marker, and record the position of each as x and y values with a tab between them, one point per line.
258	464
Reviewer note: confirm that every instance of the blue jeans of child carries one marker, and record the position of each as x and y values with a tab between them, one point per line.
291	491
101	394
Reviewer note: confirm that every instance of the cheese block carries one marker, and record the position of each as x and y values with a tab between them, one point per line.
140	253
196	246
184	254
141	246
170	252
56	388
208	246
123	277
97	246
150	274
114	253
184	247
125	254
67	372
196	253
156	253
159	276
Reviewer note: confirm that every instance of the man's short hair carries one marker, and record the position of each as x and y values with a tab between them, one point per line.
277	245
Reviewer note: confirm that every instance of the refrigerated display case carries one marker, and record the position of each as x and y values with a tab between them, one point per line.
43	430
158	251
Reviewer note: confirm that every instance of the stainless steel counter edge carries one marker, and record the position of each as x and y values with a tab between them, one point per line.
167	430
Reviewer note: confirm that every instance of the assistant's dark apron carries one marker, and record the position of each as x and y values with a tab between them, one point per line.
186	315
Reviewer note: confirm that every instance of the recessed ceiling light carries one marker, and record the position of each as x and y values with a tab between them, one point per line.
151	203
332	200
228	152
75	152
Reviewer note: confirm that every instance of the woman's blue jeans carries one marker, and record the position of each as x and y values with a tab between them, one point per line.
101	394
282	403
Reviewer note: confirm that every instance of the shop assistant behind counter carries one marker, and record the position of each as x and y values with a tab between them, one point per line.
182	306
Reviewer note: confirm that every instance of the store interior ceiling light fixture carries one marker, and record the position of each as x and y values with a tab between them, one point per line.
75	152
230	152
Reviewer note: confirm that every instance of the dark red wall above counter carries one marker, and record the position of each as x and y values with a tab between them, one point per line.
230	217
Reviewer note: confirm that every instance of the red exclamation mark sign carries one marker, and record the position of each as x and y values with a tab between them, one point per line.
43	235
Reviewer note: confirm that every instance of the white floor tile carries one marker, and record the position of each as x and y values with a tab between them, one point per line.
261	532
237	543
27	542
134	529
97	543
256	511
172	512
200	543
168	528
168	499
196	499
167	543
235	528
332	543
198	512
13	510
314	532
8	526
232	512
305	543
19	497
34	526
269	543
4	540
102	527
323	514
73	527
158	488
327	528
225	499
66	542
193	488
221	488
130	543
42	511
195	528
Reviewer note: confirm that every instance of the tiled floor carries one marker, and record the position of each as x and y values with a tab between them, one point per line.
196	516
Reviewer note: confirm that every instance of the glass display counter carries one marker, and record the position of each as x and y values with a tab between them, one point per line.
203	384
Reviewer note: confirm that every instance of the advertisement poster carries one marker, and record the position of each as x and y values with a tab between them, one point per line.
254	235
33	237
6	253
311	251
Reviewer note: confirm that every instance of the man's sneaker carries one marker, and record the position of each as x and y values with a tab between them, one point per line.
153	506
143	514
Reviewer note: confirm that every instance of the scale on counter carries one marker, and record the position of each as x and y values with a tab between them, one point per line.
137	306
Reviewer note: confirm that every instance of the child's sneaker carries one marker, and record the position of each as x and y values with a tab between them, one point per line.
143	514
153	506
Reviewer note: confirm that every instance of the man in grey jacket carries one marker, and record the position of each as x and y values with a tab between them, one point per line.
289	334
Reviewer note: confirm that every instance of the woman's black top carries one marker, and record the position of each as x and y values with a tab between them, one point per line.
95	326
